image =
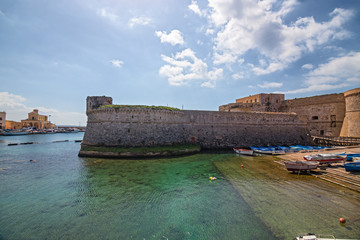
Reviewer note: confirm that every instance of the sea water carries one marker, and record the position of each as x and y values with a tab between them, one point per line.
48	192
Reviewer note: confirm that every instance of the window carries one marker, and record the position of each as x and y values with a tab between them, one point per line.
333	120
0	118
251	101
255	99
322	132
315	118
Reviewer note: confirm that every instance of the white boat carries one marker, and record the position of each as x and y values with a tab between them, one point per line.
243	151
295	166
313	236
326	158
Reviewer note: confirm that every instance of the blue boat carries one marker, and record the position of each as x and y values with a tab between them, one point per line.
352	166
351	155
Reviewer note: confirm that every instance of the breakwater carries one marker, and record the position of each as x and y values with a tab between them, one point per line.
139	127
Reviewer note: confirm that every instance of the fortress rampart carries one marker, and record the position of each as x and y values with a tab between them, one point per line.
330	115
135	127
351	125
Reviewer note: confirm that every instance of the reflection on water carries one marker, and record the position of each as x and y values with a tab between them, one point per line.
61	196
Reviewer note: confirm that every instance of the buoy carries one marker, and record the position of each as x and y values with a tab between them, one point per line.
242	165
342	220
212	178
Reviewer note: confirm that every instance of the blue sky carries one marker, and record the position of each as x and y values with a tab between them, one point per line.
186	54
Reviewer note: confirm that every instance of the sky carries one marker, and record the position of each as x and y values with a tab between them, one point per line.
186	54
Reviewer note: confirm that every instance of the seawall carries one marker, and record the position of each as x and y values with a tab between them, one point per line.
134	127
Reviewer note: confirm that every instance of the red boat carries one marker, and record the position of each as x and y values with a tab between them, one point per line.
243	151
326	158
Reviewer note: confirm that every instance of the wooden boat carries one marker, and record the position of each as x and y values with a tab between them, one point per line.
295	166
326	158
243	151
352	166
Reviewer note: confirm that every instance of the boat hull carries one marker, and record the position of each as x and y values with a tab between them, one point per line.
243	151
15	133
326	158
300	166
354	166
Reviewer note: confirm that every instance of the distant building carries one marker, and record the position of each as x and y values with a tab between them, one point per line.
13	125
2	120
330	115
38	121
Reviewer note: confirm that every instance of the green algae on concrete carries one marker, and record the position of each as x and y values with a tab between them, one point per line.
141	106
120	152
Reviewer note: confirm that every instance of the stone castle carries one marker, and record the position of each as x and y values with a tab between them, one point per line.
330	115
259	120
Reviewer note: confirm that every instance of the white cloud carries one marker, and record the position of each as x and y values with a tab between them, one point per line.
307	66
246	25
185	67
195	8
174	37
339	72
270	85
17	110
105	13
117	63
344	69
224	58
237	76
139	21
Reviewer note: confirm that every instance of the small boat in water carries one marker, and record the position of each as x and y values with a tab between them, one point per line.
243	151
15	133
268	150
352	166
296	166
313	236
326	158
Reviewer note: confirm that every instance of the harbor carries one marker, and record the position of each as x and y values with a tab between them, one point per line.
48	192
335	173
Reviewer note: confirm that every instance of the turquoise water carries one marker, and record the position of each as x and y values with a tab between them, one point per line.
62	196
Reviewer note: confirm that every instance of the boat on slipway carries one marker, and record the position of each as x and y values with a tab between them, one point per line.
352	166
350	156
296	166
326	158
244	151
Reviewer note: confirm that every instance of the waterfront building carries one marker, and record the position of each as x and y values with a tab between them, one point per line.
37	120
13	125
2	120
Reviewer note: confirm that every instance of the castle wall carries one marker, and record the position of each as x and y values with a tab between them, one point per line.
210	129
323	114
351	126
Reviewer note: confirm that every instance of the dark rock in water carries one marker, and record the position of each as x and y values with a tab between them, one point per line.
31	160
